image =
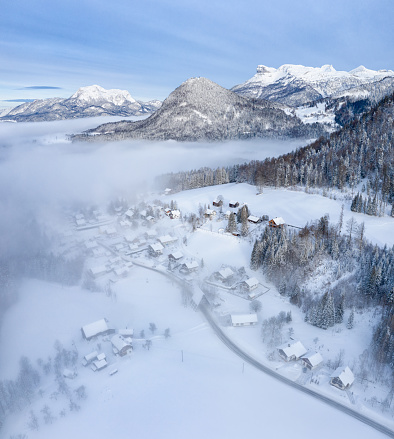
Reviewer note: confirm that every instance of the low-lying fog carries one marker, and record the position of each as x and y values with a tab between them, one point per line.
40	168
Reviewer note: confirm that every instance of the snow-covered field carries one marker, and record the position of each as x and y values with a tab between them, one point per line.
190	384
154	394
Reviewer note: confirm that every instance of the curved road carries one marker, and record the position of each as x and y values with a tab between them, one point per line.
231	345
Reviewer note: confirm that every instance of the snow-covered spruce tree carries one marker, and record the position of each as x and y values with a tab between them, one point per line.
350	321
232	224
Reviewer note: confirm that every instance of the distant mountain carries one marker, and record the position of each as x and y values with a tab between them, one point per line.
296	85
88	101
199	109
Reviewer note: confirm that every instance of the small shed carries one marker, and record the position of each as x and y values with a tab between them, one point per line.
99	364
218	203
120	346
292	351
277	222
96	328
342	378
233	204
244	319
155	249
312	360
87	359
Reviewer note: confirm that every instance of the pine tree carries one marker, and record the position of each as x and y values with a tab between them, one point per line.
232	225
339	309
350	322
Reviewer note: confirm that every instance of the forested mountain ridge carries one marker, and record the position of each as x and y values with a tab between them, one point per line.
362	149
200	109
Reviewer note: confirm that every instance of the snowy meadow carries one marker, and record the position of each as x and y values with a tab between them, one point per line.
184	382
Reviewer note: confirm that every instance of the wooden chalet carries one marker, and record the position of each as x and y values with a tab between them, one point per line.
250	284
342	378
277	222
233	204
175	257
218	203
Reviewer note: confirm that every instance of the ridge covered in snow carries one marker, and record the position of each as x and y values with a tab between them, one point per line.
201	109
296	85
90	101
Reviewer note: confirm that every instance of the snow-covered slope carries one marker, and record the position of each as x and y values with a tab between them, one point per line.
296	85
88	101
200	109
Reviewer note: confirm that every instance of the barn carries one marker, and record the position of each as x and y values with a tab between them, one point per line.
94	329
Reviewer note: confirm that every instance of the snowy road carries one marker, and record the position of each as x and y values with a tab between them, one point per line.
231	345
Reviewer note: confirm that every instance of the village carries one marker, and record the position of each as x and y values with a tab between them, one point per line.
155	236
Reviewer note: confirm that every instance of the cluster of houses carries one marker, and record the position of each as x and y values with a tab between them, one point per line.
235	280
342	377
121	342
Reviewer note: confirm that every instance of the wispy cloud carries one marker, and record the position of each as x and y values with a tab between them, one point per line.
18	100
40	87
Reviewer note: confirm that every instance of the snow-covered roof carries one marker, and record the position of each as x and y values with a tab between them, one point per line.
297	349
191	265
253	218
278	220
344	374
126	332
100	364
210	212
314	358
98	270
101	356
119	342
233	202
95	328
151	233
156	247
252	282
129	213
91	356
239	319
167	238
176	255
226	272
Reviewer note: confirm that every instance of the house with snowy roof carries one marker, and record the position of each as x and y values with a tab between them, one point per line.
155	249
312	360
209	213
120	346
250	284
292	351
176	256
225	274
233	204
94	329
244	319
277	222
342	378
98	271
88	358
167	240
254	219
189	267
218	203
100	363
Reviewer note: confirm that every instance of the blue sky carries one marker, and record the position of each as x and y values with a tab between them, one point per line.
150	47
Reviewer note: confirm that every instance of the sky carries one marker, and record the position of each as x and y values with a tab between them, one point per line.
50	49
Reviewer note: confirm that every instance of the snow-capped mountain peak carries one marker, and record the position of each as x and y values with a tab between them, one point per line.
297	84
94	94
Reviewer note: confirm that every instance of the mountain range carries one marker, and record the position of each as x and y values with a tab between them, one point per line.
297	85
200	109
88	101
